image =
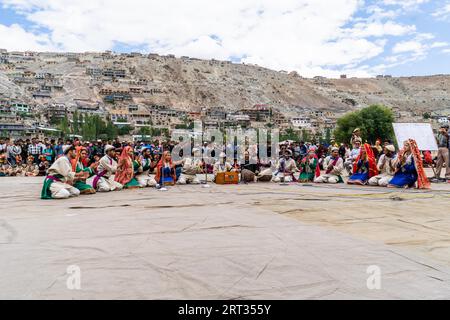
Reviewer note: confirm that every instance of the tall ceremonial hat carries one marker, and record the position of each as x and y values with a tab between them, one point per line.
390	147
67	148
109	147
356	130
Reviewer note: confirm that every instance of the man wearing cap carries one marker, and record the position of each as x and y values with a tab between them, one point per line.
286	168
222	165
356	136
143	176
443	153
104	180
386	167
334	167
191	167
60	177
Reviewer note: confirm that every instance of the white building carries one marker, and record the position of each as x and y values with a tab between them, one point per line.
301	122
443	120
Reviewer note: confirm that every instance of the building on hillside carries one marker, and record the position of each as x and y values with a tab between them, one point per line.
20	108
301	122
119	115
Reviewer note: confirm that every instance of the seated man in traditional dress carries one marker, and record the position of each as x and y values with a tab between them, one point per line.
386	168
249	169
309	167
165	171
143	174
409	168
60	177
78	165
364	167
107	167
190	168
222	165
126	168
286	168
334	168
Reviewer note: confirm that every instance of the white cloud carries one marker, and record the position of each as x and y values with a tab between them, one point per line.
443	13
405	4
14	37
409	46
310	36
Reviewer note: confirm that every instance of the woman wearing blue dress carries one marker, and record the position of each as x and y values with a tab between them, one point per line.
364	167
409	168
165	172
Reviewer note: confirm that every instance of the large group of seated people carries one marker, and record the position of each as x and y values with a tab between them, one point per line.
77	167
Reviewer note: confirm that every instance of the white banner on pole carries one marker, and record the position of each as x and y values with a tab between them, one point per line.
421	132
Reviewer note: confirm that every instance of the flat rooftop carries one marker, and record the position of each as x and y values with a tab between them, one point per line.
255	241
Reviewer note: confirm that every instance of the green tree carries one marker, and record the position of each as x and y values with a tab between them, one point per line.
426	115
289	134
75	123
327	135
145	131
111	130
305	135
375	123
64	126
124	130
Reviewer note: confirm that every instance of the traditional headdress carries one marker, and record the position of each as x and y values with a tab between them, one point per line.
422	180
124	172
373	170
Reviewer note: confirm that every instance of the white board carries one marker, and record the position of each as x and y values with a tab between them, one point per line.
421	132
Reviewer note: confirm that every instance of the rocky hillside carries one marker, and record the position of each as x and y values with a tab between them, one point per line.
189	84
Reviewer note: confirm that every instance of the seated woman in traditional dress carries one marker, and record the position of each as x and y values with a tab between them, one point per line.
79	165
31	169
143	172
309	167
364	167
409	168
165	171
125	169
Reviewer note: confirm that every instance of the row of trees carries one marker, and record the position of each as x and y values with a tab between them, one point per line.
375	123
94	127
90	127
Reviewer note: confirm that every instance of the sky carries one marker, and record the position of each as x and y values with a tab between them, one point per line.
360	38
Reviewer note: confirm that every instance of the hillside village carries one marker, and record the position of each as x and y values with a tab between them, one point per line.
39	90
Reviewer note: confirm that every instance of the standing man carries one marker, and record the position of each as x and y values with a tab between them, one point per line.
443	154
14	153
356	136
60	178
35	150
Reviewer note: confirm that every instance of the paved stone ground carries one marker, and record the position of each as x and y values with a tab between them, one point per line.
259	241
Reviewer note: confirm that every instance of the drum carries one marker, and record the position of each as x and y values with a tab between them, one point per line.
227	178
